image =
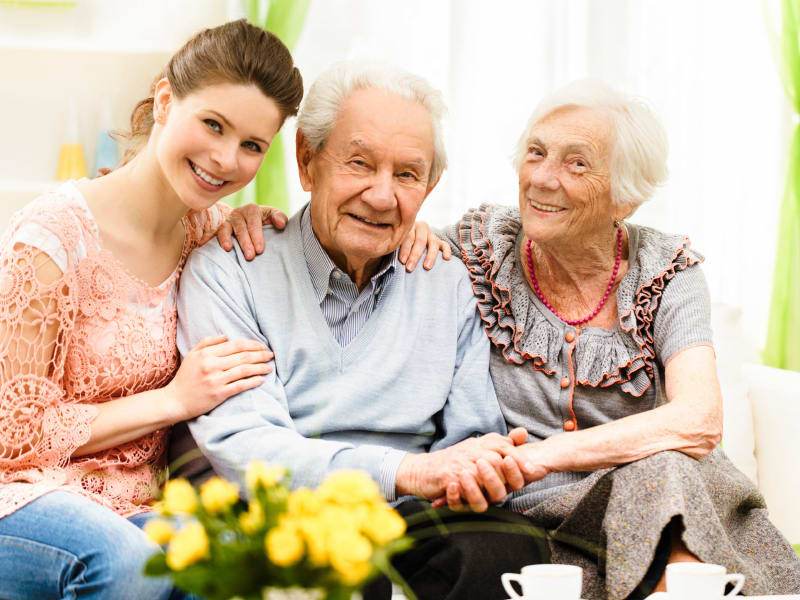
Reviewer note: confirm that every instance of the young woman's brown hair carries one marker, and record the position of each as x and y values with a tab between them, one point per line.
236	52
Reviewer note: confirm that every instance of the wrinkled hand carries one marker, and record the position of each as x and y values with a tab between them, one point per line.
245	222
418	239
213	371
525	461
476	466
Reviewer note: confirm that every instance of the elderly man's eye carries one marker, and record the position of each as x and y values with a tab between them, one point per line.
358	163
409	175
535	151
212	124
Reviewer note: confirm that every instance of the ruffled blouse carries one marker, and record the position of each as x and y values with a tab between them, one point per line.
551	377
92	333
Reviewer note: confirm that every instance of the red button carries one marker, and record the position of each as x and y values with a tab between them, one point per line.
570	337
565	382
569	425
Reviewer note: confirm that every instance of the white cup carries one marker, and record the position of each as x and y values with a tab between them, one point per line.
545	582
700	581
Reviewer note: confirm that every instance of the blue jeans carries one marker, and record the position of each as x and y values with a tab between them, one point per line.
63	545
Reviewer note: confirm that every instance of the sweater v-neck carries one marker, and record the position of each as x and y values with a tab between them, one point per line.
359	344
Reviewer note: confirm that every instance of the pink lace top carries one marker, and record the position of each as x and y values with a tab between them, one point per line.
71	338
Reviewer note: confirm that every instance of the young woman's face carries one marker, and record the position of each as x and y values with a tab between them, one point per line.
211	142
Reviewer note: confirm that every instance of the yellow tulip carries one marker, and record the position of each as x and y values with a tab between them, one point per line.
351	556
216	494
260	473
315	535
303	501
187	546
179	497
349	487
159	531
253	519
383	525
284	545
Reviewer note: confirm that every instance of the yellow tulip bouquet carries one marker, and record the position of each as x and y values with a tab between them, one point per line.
322	544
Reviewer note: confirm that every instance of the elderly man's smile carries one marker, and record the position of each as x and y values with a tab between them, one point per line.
368	222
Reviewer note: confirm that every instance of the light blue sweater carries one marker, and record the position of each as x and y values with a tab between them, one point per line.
415	378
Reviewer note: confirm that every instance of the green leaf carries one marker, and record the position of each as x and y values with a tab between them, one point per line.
156	566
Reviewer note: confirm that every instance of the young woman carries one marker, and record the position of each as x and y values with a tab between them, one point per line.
89	377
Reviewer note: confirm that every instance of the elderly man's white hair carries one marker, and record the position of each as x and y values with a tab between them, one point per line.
639	154
325	98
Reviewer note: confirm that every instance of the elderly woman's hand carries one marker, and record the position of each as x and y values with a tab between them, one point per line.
418	239
245	222
488	482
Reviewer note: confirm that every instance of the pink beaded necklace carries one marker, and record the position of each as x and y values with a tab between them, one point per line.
605	296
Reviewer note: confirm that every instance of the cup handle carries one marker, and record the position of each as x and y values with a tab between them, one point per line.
731	578
506	579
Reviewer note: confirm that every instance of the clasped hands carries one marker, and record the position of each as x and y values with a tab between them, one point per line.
477	471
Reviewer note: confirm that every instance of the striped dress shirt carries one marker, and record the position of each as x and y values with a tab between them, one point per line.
345	309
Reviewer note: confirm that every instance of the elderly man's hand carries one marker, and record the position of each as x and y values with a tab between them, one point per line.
476	464
245	222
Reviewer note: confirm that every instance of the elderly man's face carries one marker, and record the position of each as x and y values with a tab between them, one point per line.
564	180
370	178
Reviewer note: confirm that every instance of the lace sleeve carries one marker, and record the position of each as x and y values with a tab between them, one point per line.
39	428
202	225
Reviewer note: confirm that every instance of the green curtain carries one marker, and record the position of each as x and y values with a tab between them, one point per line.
783	334
285	19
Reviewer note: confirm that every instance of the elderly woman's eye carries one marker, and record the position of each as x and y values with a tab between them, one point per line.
212	124
409	175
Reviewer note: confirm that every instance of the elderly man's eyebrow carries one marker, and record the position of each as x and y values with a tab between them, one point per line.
361	144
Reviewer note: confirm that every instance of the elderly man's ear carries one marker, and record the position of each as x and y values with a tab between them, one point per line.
303	154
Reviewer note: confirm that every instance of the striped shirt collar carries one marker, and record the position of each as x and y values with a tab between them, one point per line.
320	265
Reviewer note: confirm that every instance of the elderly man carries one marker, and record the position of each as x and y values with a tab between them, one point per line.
375	368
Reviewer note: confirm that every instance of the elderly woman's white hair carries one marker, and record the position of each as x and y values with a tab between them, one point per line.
325	98
639	155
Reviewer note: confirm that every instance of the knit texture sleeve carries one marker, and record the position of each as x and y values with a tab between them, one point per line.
683	317
39	429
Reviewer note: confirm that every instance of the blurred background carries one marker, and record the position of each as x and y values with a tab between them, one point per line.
74	70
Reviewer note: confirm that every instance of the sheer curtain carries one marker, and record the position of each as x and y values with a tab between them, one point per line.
705	67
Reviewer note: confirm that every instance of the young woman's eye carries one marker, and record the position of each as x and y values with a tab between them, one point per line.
252	146
212	124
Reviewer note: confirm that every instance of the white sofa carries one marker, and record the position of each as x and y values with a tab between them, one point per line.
761	420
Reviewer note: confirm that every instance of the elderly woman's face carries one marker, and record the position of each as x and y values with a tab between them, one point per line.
564	179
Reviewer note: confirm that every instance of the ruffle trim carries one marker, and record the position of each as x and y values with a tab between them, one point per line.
487	237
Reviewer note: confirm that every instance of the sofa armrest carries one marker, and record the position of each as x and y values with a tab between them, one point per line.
775	399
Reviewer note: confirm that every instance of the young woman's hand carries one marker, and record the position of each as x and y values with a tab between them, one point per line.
418	239
213	371
245	222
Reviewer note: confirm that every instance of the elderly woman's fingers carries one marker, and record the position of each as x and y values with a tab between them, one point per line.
405	248
435	245
472	492
417	247
494	485
453	497
514	478
518	436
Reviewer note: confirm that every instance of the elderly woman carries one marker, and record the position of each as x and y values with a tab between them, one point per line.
602	350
